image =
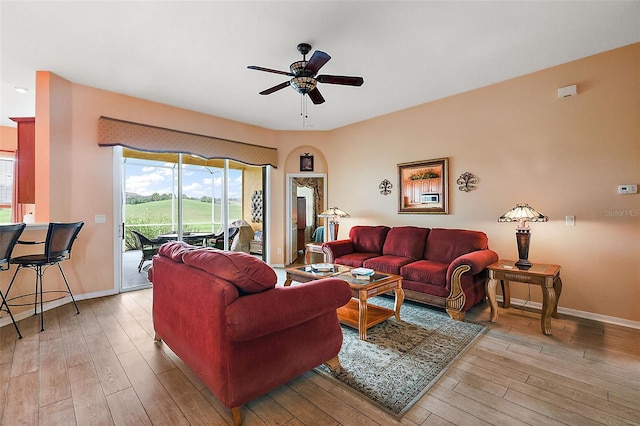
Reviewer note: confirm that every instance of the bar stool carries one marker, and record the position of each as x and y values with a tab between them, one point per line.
57	248
9	235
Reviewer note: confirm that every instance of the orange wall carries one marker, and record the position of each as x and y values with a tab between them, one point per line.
8	138
564	157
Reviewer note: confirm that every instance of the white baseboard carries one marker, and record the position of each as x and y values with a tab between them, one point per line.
576	313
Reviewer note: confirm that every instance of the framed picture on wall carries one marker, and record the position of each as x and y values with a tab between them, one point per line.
306	162
424	187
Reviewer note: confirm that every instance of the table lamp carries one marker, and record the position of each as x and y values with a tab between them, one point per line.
333	214
523	213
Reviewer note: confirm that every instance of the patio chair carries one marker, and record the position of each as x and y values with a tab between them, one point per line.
9	235
148	246
217	241
57	248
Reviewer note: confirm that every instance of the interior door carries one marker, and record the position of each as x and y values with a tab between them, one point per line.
302	221
293	225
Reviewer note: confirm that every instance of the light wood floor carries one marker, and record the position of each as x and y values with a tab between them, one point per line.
102	367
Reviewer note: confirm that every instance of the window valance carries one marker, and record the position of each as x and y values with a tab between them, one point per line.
143	137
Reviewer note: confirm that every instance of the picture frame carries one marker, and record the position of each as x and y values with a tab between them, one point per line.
424	186
306	162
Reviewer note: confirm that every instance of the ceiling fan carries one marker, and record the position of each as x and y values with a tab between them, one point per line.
304	72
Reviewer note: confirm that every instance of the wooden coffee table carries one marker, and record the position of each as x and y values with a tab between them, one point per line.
357	312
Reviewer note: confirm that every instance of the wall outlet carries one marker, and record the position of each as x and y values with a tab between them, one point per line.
570	220
628	189
100	218
279	250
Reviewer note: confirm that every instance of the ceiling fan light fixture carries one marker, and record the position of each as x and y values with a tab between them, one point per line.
303	84
297	67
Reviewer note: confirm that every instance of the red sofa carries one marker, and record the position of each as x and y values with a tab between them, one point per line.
441	267
223	315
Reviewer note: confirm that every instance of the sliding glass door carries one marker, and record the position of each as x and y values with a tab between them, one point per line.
183	197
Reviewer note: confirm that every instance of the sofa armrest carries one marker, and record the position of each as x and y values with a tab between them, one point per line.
476	260
260	314
470	263
335	249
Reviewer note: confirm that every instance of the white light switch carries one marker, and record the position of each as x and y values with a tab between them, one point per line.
100	218
570	220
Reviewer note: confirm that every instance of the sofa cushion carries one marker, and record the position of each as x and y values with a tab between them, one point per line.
368	239
248	273
406	241
426	271
174	250
355	259
388	264
444	245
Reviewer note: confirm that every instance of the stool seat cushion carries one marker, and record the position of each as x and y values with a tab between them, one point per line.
34	259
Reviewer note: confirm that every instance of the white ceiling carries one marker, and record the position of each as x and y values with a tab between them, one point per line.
194	55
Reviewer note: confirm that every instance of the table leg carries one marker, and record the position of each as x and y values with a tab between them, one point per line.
362	317
490	290
287	282
398	303
506	294
307	256
549	302
557	286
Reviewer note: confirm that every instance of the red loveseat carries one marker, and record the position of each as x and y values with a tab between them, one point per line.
441	267
223	315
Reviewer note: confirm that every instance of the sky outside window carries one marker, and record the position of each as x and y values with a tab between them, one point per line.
145	177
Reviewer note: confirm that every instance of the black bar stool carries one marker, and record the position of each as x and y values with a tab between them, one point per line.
57	248
9	235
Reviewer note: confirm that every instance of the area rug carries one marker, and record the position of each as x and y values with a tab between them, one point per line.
400	361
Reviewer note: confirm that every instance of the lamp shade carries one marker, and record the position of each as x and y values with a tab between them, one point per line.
523	213
334	212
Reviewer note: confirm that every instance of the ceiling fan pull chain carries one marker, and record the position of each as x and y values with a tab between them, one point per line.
303	110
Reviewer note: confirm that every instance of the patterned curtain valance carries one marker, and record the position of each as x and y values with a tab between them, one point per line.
114	132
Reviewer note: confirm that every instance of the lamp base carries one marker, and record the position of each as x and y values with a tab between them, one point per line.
523	264
522	239
333	230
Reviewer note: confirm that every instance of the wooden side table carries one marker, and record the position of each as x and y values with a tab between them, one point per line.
312	248
255	247
546	276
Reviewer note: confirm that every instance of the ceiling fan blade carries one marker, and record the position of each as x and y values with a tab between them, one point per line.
253	67
316	97
340	79
275	88
316	62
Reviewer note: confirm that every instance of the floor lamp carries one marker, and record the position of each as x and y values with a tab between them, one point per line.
333	214
523	213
